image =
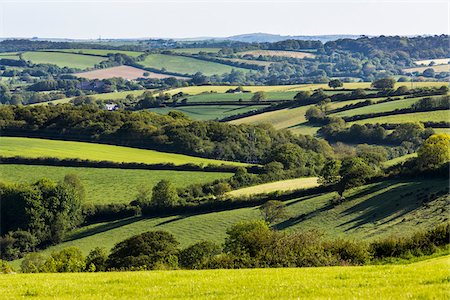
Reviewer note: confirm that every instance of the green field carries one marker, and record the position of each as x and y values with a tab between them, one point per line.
399	159
196	50
9	55
69	60
208	97
107	185
212	112
282	185
371	211
186	65
378	108
428	116
99	52
34	148
426	279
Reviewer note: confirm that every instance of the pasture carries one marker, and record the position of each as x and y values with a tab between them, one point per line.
105	185
9	55
213	97
125	72
186	65
209	112
428	116
398	160
436	68
36	148
101	52
69	60
371	211
437	61
283	185
427	279
292	54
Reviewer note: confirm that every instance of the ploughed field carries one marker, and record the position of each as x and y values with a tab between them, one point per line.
426	279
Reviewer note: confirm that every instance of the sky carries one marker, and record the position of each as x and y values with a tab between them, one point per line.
83	19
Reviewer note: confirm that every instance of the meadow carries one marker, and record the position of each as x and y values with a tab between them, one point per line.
105	185
398	160
371	211
125	72
9	55
186	65
428	116
427	279
211	112
35	148
69	60
282	185
102	52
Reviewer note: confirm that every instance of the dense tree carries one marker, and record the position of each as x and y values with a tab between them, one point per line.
96	260
335	83
259	96
354	172
330	173
198	254
434	152
147	250
384	83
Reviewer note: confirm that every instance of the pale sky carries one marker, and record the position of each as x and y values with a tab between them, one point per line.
84	19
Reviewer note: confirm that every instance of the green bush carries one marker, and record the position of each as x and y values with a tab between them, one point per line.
96	260
196	255
33	263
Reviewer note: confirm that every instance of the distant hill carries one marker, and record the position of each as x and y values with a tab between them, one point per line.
270	38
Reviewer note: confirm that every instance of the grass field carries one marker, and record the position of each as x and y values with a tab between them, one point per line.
398	160
186	65
196	50
107	185
283	185
34	148
99	52
437	61
371	211
428	116
293	54
125	72
427	279
436	68
212	112
69	60
9	55
378	108
442	130
208	97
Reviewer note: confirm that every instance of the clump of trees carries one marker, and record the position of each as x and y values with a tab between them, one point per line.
38	214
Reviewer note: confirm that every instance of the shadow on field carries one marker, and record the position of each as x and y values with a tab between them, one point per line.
104	227
389	205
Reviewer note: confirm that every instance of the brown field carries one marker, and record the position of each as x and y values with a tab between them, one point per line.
436	68
437	61
125	72
293	54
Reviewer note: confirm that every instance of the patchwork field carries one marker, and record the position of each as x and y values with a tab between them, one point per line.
69	60
429	116
283	185
212	112
426	279
125	72
372	211
35	148
107	185
293	54
186	65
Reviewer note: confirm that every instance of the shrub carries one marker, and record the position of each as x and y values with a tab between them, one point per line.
145	250
349	252
67	260
32	263
5	268
197	255
96	260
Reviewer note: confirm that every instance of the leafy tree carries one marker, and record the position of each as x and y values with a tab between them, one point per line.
5	268
330	172
247	237
32	263
315	115
373	155
335	83
302	96
67	260
354	172
290	155
429	72
164	194
384	83
196	255
273	211
96	259
259	96
221	188
74	181
434	152
147	250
